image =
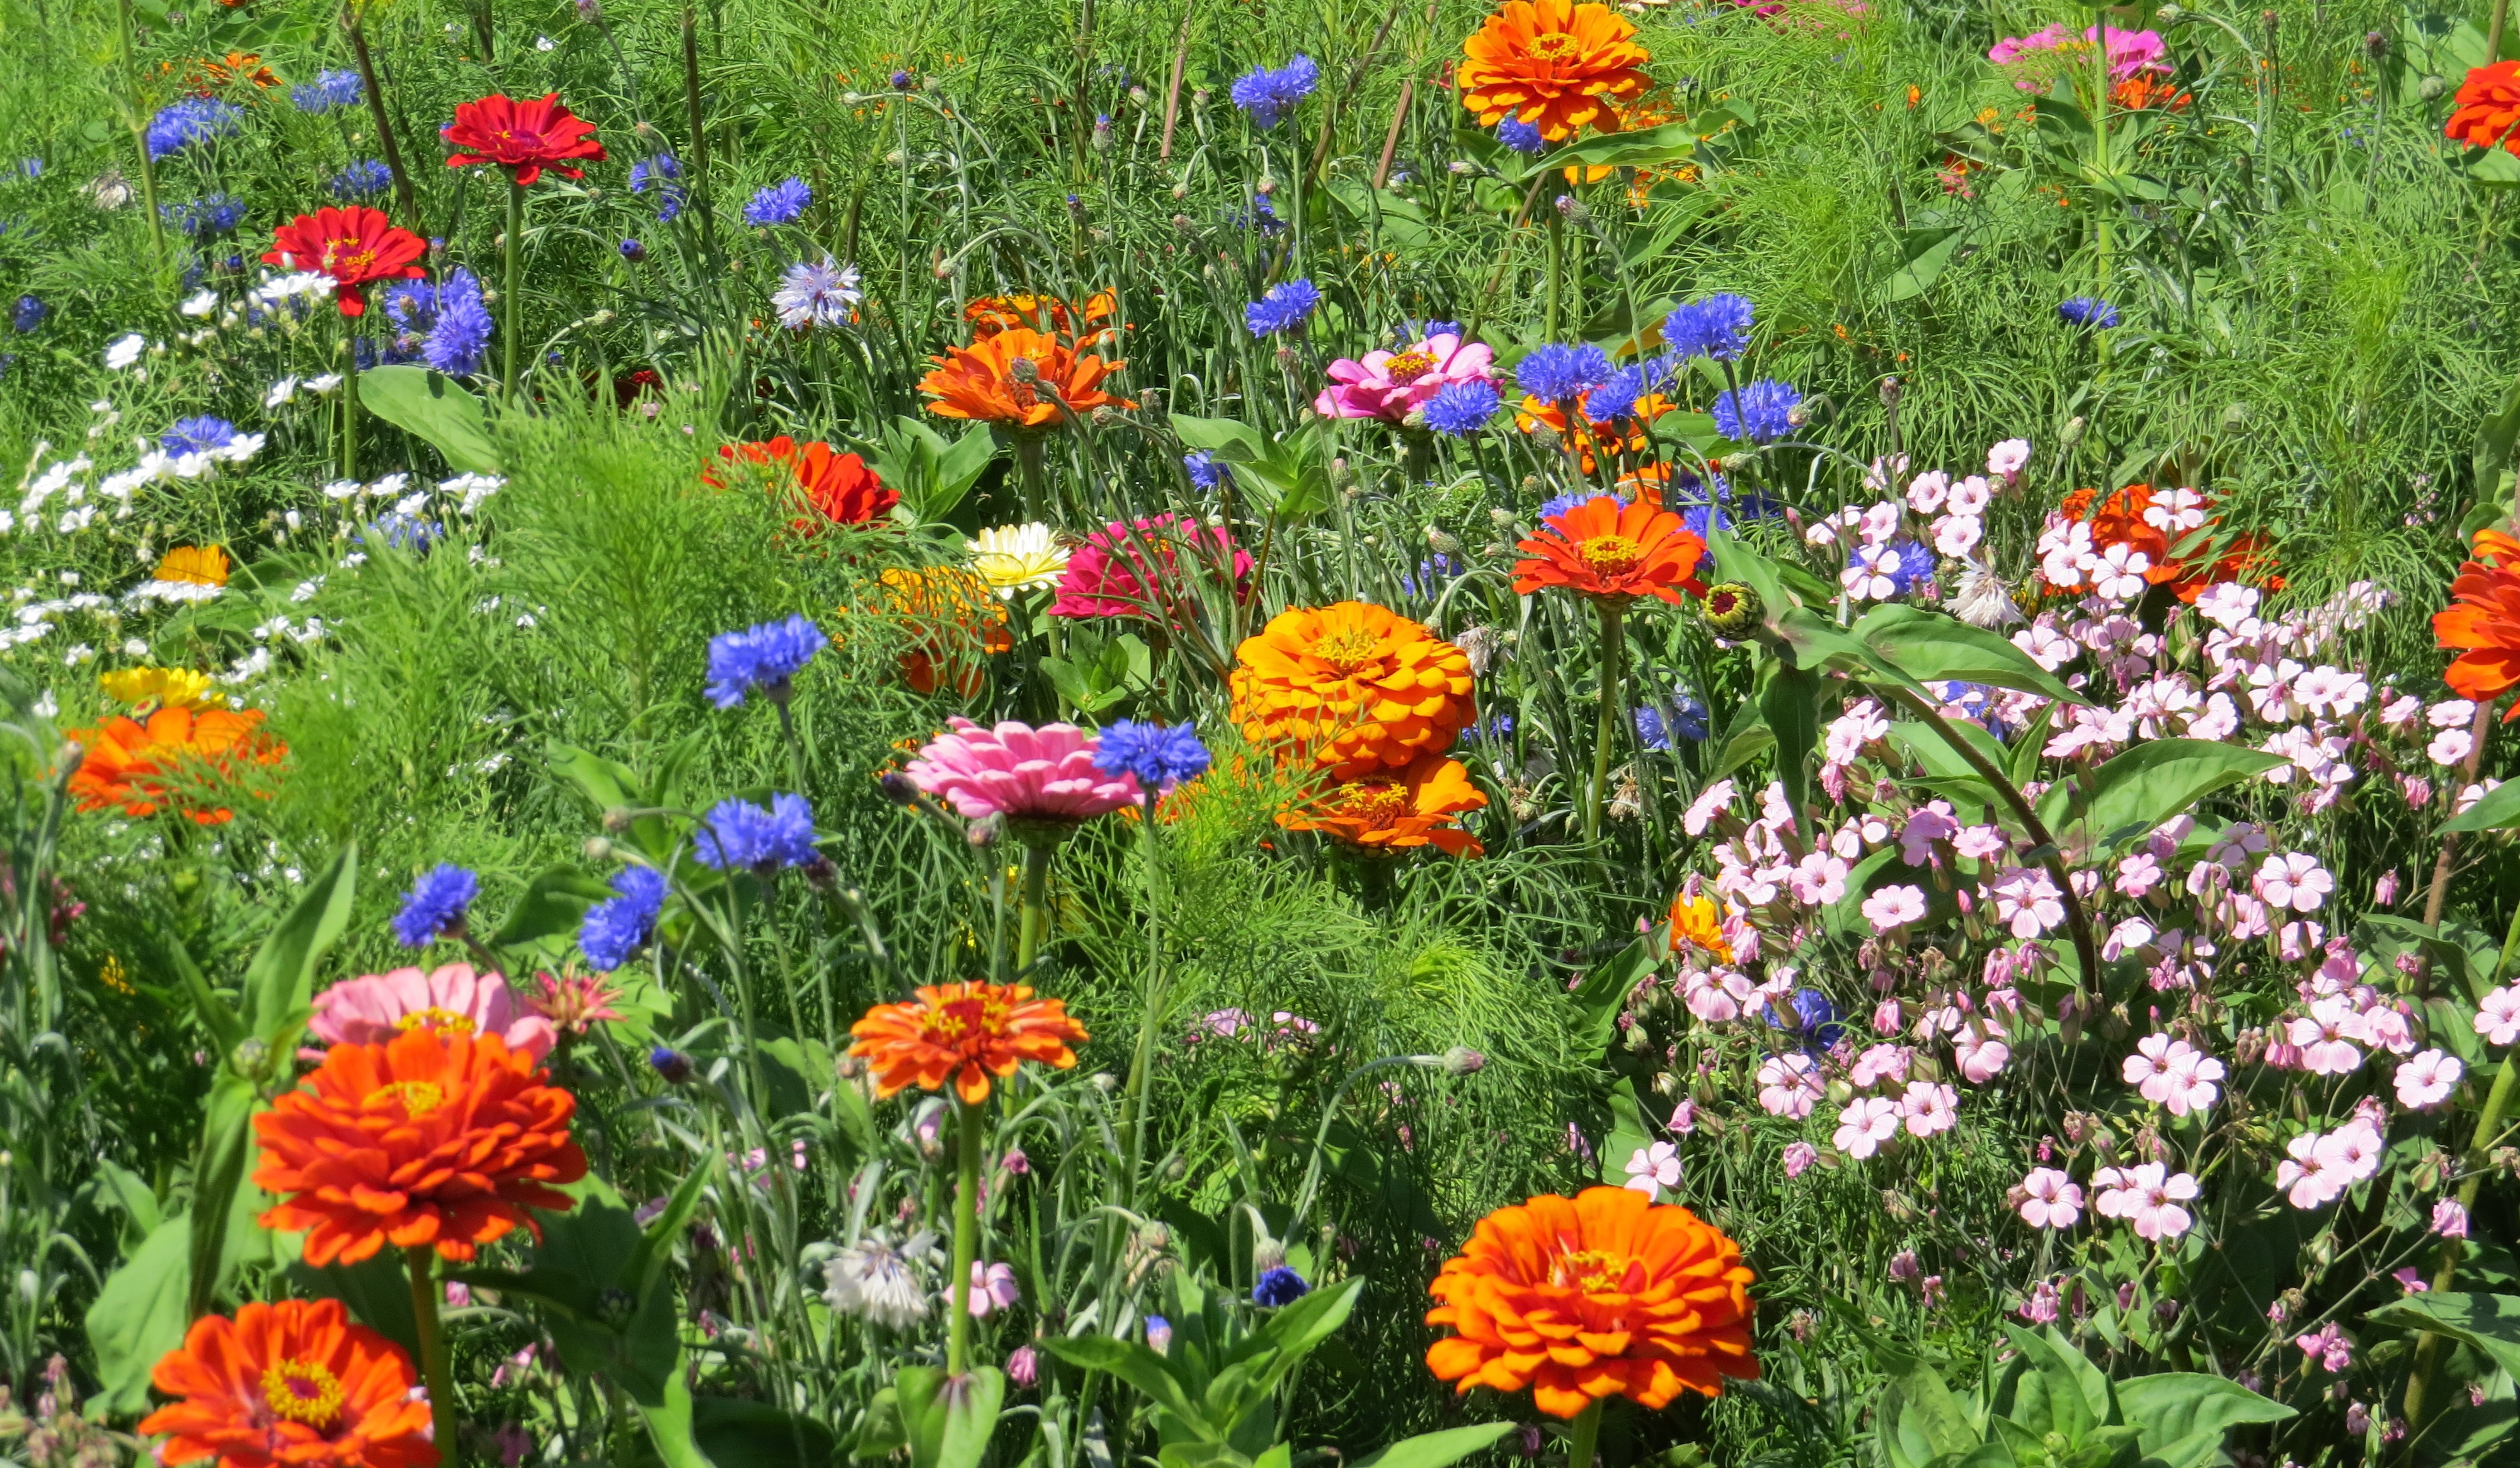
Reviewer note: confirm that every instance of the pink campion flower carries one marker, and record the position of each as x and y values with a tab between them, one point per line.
1928	1108
2052	1200
2118	572
1926	492
2174	1074
2328	1347
1684	1118
2007	459
1981	1058
1715	996
2354	1150
1019	772
1388	386
2149	1198
1889	1016
453	999
2041	1308
2308	1178
1789	1084
2411	1281
1894	908
2138	875
2418	790
1926	825
1652	1168
1882	521
2450	713
1798	1157
1877	1064
1820	879
2227	605
2498	1017
2028	902
993	1288
1981	843
2399	714
2449	1219
2294	880
1868	572
2384	892
2450	746
2326	1037
1864	1125
1711	802
2385	1028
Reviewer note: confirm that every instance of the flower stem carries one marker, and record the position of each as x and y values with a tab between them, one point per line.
966	1233
386	143
140	138
1133	1123
1584	1436
421	1260
510	316
1033	920
1613	642
349	402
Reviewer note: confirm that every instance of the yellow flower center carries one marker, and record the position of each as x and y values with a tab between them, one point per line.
1593	1271
1405	368
418	1097
302	1392
1348	648
1611	553
955	1023
437	1021
1375	805
1555	46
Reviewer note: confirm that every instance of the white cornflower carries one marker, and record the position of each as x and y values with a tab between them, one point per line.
872	1278
816	295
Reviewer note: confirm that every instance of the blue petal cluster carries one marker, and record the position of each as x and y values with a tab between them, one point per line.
1814	1018
447	325
192	119
737	835
1718	326
2089	311
779	204
1761	413
404	532
329	90
616	928
1205	471
29	314
660	173
366	178
1915	568
1657	724
1432	573
194	435
764	657
1283	309
1159	755
1562	374
1269	95
434	906
1459	409
211	215
1616	398
1279	1288
1521	137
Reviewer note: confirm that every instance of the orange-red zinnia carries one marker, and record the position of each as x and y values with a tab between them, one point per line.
838	488
1607	1294
433	1138
2487	113
980	382
293	1384
962	1035
1552	64
2484	622
182	756
1609	550
1356	686
355	246
524	136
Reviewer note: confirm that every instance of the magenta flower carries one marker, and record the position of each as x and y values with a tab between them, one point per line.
1144	570
2131	52
1389	384
1019	772
374	1008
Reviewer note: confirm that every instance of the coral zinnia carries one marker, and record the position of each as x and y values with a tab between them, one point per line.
1356	686
1019	772
1605	549
293	1384
1553	64
953	620
2484	622
522	137
1607	1294
981	382
1394	810
180	757
963	1034
2487	110
838	488
354	246
1137	570
432	1137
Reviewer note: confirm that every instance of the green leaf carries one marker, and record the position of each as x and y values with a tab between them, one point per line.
2499	810
2046	1395
433	407
669	1420
1919	1420
1645	148
1922	255
2489	1322
216	1015
1790	703
138	1315
279	983
1437	1449
1152	1374
736	1433
2138	791
949	1420
376	1289
554	904
2492	456
1932	647
1218	435
218	1180
1295	1330
2183	1416
1605	988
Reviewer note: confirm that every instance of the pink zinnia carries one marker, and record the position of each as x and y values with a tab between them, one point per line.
1388	385
576	1002
1020	772
374	1008
1108	576
2131	52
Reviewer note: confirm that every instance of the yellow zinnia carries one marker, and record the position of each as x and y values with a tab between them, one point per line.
168	687
1017	557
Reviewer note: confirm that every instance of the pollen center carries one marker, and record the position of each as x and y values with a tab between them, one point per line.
302	1392
1405	368
1555	46
1611	553
418	1097
1373	804
437	1021
1346	650
1593	1271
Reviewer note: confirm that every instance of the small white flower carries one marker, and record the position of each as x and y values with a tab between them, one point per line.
124	351
200	303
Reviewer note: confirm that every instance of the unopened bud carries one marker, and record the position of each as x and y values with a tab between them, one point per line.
598	849
1462	1060
897	787
617	818
1022	370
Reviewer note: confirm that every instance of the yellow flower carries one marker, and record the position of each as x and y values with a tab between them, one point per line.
168	687
1696	922
196	566
1017	557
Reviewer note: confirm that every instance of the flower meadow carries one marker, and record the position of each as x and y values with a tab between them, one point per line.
1769	731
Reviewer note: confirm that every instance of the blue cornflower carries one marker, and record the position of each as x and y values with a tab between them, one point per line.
1650	732
1435	568
1814	1018
1562	374
1435	329
29	314
1283	309
365	179
329	90
764	657
1461	409
1718	326
434	906
1269	95
1159	755
671	1065
1279	1288
1761	413
1616	398
405	532
633	252
1160	1335
779	203
1205	471
618	927
1262	216
213	214
2087	311
1914	567
460	342
1976	701
1550	508
1521	137
195	435
30	167
1495	727
193	120
737	835
903	81
660	173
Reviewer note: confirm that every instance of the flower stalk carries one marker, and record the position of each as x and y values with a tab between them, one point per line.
420	1261
1613	642
511	323
966	1233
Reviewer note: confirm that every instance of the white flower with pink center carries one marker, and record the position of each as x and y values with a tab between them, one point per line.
2326	1037
2028	903
1652	1168
2005	458
1894	908
2294	880
1789	1084
2151	1197
1928	1108
2498	1017
1878	1063
1927	491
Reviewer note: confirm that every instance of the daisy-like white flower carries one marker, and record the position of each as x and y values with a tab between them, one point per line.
1017	557
817	296
878	1281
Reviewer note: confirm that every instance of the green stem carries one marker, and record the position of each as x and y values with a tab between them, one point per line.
966	1233
350	404
1033	921
1133	1124
2493	31
1613	642
1556	269
420	1259
140	138
512	324
1584	1436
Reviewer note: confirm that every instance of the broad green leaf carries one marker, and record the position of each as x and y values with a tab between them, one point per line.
1820	644
1140	1367
1309	1321
669	1420
1605	988
2494	438
1790	703
947	1419
279	983
736	1432
437	408
1922	255
1217	435
2138	791
216	1014
1919	1420
2046	1395
2499	810
2489	1322
218	1174
2183	1416
1644	148
1437	1449
2098	1394
554	904
1932	647
138	1315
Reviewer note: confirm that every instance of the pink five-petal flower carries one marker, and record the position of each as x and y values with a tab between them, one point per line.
1864	1125
1019	772
2052	1199
2427	1080
1389	384
2497	1018
376	1007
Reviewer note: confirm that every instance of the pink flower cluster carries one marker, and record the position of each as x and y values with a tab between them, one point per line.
2043	54
1392	385
2316	1169
374	1008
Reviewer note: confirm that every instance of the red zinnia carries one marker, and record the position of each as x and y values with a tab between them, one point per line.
840	486
352	245
2487	113
522	137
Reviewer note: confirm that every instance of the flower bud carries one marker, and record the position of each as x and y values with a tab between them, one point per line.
1732	611
672	1065
1023	1366
1023	369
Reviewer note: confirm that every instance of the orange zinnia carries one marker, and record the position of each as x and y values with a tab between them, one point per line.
1587	434
181	757
1046	314
2487	110
838	488
963	1032
433	1138
203	75
1396	810
293	1384
1552	64
955	623
1358	687
1605	549
2120	519
1608	1294
978	381
2485	622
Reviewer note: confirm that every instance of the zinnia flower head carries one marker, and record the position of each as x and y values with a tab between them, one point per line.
615	929
1554	63
1605	549
1158	756
1145	570
1394	810
293	1384
1014	558
2487	109
737	834
817	296
436	904
838	489
1281	308
779	203
765	658
2484	622
182	756
1718	326
522	137
979	383
1269	95
452	999
355	246
1607	1294
1387	386
1351	687
953	624
962	1035
1020	772
575	1003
